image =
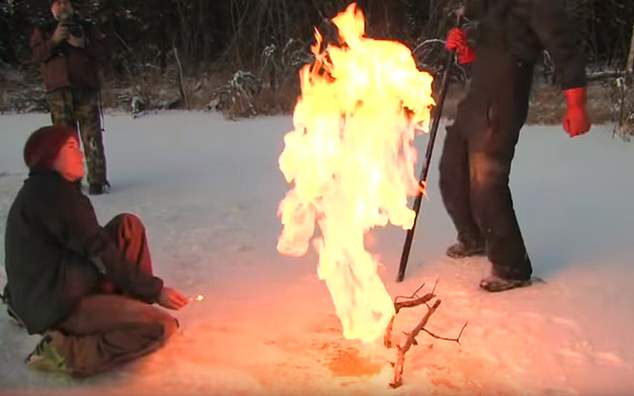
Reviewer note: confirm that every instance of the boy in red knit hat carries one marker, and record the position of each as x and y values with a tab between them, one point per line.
43	146
88	289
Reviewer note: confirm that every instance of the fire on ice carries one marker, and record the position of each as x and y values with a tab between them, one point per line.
350	161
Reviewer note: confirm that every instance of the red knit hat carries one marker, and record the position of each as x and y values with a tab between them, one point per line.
42	147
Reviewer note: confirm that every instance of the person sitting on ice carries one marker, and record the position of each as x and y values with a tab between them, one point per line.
88	289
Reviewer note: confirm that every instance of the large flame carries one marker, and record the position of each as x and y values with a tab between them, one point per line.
351	161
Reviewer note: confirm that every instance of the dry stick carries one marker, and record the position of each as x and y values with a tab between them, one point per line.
125	44
413	295
413	301
457	339
387	338
398	305
411	340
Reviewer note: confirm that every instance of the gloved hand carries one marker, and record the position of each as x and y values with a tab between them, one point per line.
576	120
457	41
60	34
76	41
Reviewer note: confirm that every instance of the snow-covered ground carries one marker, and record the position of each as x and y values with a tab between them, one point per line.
208	191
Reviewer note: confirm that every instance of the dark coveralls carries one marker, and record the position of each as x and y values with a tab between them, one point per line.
479	146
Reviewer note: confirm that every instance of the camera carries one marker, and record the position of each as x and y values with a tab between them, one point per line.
73	22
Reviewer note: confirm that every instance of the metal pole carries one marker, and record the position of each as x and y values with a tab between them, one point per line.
428	154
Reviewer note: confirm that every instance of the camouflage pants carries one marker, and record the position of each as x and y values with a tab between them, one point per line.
78	108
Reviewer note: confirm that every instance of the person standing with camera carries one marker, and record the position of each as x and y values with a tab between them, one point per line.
70	51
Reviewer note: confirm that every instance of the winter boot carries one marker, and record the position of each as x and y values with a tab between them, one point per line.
98	189
469	248
46	357
494	283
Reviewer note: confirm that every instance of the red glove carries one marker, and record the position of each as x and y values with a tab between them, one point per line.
457	41
576	120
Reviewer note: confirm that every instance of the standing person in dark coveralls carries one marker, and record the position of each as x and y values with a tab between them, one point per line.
479	146
70	52
87	288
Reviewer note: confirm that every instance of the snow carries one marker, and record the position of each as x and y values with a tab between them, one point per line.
208	189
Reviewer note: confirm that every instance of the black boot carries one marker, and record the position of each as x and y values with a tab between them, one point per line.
494	283
46	356
98	189
466	249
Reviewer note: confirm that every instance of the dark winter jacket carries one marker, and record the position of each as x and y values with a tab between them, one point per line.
56	252
65	66
527	27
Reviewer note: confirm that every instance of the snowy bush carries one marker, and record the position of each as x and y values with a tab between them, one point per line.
278	65
236	98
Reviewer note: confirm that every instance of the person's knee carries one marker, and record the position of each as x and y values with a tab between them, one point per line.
489	178
130	222
170	326
488	172
169	323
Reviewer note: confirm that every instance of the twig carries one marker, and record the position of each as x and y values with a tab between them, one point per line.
413	295
411	340
435	285
413	301
125	44
457	339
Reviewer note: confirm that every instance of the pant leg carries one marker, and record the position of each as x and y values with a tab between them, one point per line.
493	206
107	330
491	151
128	233
87	114
455	186
60	102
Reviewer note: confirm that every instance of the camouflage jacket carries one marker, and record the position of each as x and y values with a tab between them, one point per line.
528	27
65	66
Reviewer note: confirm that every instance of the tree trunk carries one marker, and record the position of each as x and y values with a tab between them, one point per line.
630	58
